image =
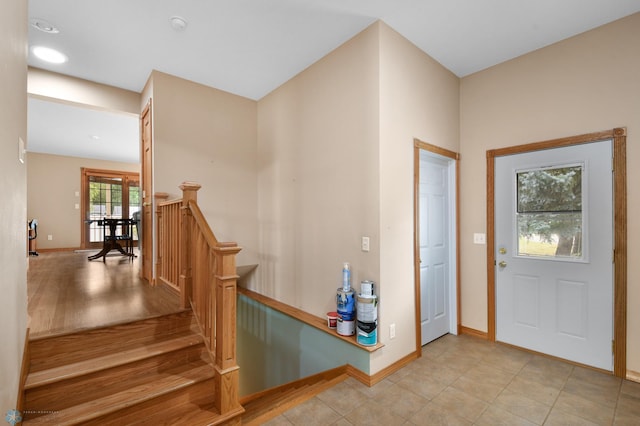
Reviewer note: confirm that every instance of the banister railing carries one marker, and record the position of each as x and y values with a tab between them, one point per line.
191	259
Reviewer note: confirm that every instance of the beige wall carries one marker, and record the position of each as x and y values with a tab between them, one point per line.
52	183
335	145
208	136
13	187
61	88
418	99
318	177
588	83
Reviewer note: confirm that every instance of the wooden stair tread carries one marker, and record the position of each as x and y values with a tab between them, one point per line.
80	368
124	399
53	351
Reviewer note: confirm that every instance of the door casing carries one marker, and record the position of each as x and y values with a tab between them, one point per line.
418	146
618	136
146	158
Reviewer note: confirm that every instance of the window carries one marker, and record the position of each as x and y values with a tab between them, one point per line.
549	212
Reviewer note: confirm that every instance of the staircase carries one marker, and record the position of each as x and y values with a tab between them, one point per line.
153	371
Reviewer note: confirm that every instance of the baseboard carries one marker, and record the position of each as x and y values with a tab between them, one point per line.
58	249
325	375
473	332
371	380
24	371
633	376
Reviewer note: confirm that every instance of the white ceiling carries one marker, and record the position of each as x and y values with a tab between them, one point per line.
250	47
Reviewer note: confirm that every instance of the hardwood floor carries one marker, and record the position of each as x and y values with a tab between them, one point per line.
67	293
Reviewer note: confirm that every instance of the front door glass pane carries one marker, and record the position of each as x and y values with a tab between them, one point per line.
105	200
549	212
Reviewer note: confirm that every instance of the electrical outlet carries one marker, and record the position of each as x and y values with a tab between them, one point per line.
365	243
49	237
392	331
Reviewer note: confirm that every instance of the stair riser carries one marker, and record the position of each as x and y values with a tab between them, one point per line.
162	410
66	393
61	350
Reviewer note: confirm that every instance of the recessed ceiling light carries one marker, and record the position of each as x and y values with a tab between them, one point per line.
94	137
178	23
44	26
49	55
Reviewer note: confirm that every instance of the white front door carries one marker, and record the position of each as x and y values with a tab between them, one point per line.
554	251
436	219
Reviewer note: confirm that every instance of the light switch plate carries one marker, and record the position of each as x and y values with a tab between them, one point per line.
479	238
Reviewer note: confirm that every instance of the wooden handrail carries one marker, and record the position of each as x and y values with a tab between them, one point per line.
207	281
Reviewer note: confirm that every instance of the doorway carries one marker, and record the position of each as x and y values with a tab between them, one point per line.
436	242
107	194
544	256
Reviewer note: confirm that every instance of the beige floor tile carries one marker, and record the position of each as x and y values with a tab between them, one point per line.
281	420
403	372
435	415
628	405
438	370
508	359
478	388
630	388
400	401
343	398
522	406
374	414
486	373
582	407
377	389
455	360
494	416
425	386
605	395
342	422
463	381
597	378
534	390
461	403
626	420
312	412
549	372
560	418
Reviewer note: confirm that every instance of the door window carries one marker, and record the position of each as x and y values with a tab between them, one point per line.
549	212
107	194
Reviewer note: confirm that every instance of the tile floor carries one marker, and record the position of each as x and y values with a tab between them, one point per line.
462	380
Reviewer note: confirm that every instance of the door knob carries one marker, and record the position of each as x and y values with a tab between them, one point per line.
502	264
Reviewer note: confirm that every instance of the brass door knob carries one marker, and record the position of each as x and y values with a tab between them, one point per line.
502	264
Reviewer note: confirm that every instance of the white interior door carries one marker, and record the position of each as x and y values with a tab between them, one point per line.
554	248
435	224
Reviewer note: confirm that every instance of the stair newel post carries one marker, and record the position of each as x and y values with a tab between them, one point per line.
189	193
227	370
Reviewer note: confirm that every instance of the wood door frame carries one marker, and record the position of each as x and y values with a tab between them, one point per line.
85	172
618	136
147	252
419	145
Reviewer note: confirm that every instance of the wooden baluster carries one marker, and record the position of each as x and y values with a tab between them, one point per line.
227	370
189	193
162	243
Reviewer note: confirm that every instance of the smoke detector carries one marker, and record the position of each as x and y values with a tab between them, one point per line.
178	23
44	26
